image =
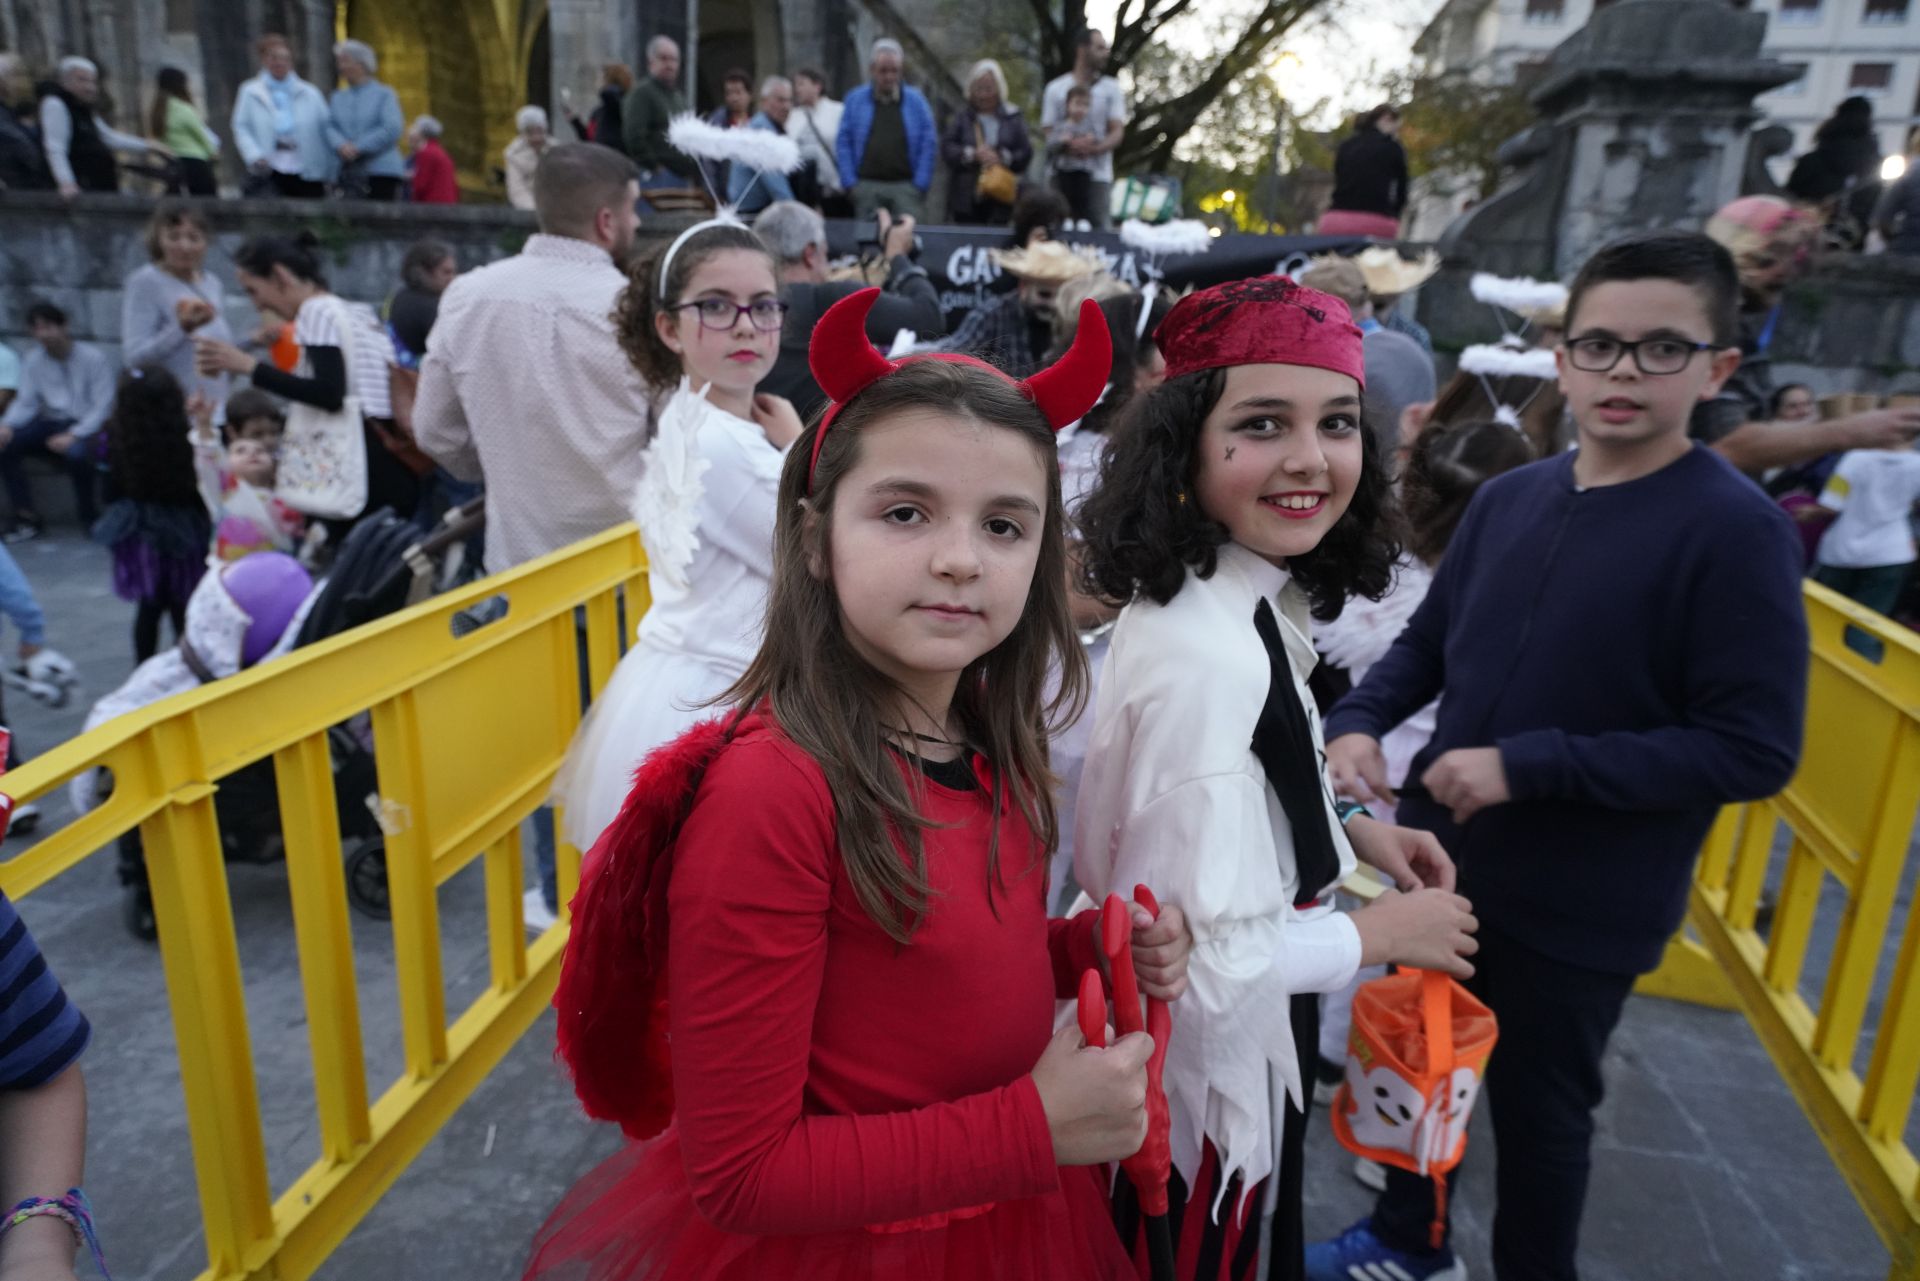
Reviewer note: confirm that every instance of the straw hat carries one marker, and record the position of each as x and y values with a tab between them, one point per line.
1046	261
1389	274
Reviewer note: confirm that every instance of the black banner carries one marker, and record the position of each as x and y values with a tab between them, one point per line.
960	259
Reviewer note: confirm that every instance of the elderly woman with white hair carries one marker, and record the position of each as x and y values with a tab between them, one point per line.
986	149
429	165
364	125
523	155
80	145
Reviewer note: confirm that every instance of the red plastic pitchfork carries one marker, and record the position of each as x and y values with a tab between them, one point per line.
1149	1166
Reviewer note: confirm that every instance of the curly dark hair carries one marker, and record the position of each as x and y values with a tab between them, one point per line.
1448	465
149	453
1142	533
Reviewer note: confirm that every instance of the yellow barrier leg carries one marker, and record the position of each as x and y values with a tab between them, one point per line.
416	904
317	882
1689	973
202	961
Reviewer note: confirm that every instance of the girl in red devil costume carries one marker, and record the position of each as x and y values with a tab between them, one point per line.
812	954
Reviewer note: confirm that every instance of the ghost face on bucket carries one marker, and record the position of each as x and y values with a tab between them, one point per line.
1386	1108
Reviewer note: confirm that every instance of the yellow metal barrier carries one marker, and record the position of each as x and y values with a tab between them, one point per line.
468	732
1846	821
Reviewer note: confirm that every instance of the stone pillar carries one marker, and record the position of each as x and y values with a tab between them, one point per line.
1656	100
1647	118
583	36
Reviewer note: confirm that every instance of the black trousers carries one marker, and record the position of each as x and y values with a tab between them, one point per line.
196	177
1542	1086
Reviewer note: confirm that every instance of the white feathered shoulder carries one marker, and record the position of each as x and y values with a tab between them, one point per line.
1366	629
666	502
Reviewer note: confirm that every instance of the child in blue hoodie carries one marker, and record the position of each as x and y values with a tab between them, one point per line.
1619	646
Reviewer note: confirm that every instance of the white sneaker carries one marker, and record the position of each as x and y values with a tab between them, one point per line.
1370	1174
533	908
25	819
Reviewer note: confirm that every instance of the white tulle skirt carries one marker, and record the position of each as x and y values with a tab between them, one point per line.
1068	753
653	696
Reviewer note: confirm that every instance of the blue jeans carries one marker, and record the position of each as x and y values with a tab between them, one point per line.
542	818
541	821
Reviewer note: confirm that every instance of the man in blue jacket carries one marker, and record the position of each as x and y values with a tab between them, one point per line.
887	143
1618	643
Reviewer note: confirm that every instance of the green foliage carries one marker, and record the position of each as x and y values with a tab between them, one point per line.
1453	124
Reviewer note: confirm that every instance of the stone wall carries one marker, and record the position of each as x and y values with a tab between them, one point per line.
1853	325
78	255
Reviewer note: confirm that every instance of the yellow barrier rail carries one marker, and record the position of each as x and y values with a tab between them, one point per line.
1845	823
497	708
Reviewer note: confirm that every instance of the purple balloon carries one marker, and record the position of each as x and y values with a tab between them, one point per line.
268	587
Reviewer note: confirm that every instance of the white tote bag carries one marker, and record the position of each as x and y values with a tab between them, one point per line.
323	454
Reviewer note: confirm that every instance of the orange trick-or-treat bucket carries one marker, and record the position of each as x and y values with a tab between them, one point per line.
1415	1059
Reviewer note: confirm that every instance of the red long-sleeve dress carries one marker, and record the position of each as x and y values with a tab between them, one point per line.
845	1106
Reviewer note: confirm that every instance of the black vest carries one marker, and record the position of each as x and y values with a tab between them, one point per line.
94	167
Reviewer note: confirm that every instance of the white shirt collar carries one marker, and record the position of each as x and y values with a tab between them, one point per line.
1265	577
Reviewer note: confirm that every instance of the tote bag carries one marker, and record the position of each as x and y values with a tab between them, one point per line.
323	453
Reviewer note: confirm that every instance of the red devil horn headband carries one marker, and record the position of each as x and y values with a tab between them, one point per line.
845	364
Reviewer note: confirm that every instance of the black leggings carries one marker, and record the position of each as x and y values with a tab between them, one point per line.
146	626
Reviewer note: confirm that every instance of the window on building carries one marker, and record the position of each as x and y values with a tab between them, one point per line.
1800	13
1546	12
1882	12
1797	86
1870	78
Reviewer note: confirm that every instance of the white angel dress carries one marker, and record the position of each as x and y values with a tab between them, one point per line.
709	485
1081	452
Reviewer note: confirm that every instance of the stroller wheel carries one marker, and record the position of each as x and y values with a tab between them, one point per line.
136	907
367	879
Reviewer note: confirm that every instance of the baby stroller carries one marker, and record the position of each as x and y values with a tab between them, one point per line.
240	614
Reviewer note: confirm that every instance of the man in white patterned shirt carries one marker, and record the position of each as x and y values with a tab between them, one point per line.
525	387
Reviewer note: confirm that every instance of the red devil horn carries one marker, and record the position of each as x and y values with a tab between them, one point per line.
1068	388
842	360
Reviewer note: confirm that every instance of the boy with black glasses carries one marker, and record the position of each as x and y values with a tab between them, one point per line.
1619	645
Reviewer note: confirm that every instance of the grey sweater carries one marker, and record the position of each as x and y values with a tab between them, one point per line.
150	330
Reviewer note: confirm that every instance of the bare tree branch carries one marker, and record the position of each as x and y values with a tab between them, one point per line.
1155	130
1129	40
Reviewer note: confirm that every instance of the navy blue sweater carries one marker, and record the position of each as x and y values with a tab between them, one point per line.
1638	653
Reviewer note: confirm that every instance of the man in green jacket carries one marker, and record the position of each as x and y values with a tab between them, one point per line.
644	117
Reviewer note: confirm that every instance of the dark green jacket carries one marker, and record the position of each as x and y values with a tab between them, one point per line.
643	127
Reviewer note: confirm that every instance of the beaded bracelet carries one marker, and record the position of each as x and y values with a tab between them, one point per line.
72	1209
1347	811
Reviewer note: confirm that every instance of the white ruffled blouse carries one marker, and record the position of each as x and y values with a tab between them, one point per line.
1173	797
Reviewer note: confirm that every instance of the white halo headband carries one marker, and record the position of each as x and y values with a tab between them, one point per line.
756	149
1182	236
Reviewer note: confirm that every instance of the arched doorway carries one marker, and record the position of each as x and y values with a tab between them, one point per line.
454	60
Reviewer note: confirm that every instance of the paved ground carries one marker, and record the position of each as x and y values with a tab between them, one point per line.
1705	1167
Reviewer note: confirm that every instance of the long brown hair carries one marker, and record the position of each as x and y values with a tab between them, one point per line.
633	323
831	703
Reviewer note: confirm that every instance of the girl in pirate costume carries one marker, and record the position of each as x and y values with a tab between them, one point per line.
701	322
1239	497
813	948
